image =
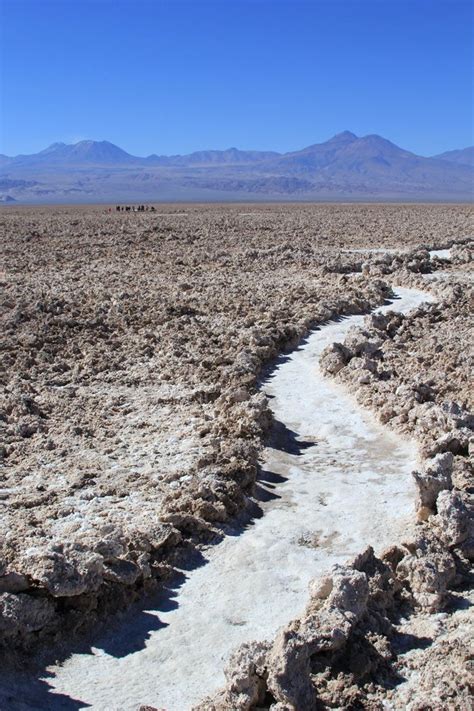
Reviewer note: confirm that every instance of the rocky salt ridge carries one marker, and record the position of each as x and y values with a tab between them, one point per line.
356	640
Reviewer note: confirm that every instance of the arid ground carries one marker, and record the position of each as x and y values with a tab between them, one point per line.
133	427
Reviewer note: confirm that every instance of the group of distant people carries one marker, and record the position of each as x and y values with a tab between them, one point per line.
134	208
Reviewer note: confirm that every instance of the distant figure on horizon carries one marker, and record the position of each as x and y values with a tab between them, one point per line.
133	208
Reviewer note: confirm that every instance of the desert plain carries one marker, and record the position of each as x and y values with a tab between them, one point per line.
135	417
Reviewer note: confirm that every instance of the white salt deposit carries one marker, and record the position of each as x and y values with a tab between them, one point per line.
374	250
440	253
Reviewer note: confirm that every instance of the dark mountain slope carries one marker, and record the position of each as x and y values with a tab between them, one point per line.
374	162
464	156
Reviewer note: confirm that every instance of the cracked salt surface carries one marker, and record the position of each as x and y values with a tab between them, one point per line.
334	481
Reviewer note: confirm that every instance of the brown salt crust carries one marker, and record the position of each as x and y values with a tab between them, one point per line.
60	324
89	524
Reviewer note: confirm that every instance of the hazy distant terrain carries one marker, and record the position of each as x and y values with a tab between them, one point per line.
344	167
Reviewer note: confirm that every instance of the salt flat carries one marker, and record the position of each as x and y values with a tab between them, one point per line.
344	483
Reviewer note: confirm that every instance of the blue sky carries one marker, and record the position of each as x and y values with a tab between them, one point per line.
173	76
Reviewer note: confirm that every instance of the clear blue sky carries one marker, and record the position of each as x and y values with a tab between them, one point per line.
173	76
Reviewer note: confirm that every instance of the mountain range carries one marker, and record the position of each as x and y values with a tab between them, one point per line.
344	167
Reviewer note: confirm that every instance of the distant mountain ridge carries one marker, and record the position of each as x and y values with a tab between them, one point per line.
346	165
464	156
83	152
108	154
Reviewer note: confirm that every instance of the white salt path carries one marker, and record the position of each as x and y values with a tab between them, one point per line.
342	483
440	253
374	250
